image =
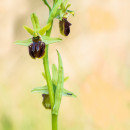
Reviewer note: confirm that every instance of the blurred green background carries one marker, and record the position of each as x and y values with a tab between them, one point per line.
96	56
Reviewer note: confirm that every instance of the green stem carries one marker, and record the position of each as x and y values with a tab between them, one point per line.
49	83
48	76
47	71
46	63
54	122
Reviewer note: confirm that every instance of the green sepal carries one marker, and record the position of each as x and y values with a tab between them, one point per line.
58	13
64	13
49	40
60	84
44	29
68	93
65	2
44	90
62	6
29	30
70	12
35	22
24	43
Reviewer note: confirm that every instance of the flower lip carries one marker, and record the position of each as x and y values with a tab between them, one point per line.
67	27
37	48
46	101
64	27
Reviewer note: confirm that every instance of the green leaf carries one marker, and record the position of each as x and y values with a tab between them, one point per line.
43	74
44	29
43	90
24	43
29	30
49	40
54	74
60	84
46	3
66	78
35	22
68	93
71	12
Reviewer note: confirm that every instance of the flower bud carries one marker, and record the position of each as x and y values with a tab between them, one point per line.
46	101
37	48
64	26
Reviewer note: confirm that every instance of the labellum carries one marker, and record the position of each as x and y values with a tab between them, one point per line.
46	101
37	48
64	26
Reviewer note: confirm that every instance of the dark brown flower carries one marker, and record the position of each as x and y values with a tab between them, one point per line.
37	48
64	26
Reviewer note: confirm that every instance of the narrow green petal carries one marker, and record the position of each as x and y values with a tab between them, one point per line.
71	12
68	6
44	90
35	22
49	40
29	30
60	84
44	29
65	2
24	43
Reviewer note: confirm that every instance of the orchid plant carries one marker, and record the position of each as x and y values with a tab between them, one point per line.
38	46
